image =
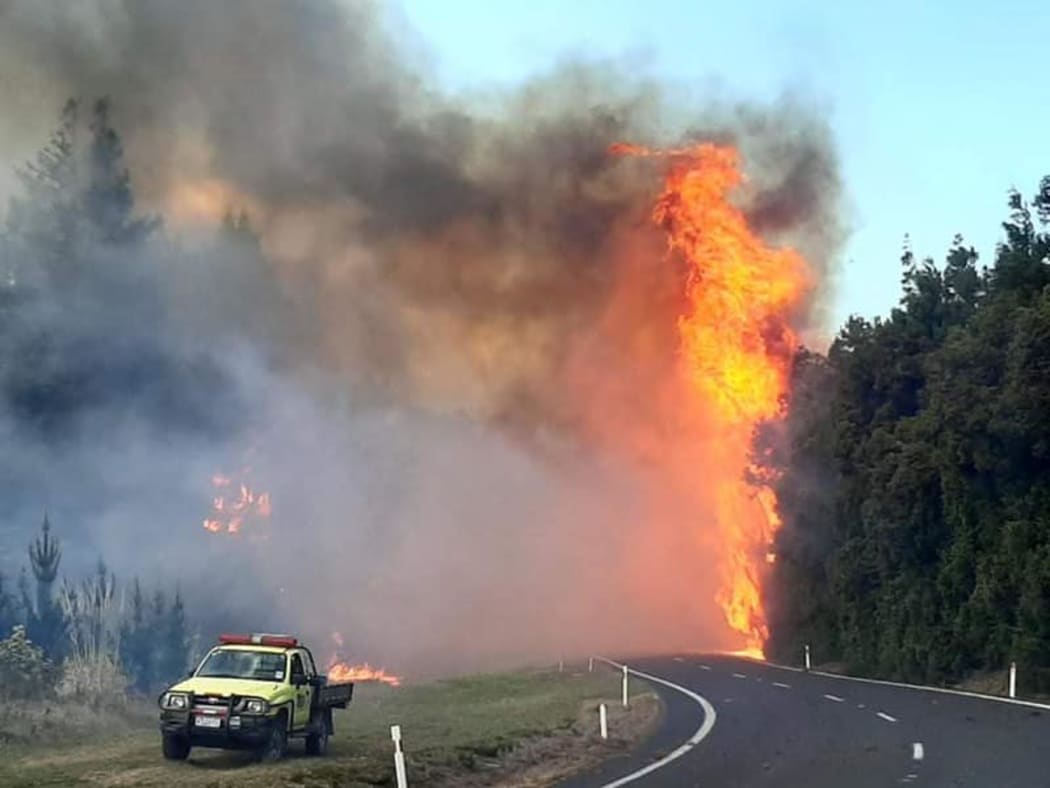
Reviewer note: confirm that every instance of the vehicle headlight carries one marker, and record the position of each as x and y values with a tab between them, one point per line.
175	701
256	706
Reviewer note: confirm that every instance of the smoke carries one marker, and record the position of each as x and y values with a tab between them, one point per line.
453	360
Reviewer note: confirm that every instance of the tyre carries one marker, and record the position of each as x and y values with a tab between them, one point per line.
175	748
317	743
277	744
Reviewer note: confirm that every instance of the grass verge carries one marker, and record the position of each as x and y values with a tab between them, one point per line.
511	729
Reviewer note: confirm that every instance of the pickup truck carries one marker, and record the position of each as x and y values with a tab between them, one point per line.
251	692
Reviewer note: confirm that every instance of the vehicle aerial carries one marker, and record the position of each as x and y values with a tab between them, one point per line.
251	692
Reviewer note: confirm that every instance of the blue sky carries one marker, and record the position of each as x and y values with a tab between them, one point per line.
937	107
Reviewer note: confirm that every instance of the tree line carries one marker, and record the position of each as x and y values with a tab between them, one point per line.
90	335
912	469
90	637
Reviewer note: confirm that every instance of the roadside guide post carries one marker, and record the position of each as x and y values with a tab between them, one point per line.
625	686
603	722
399	757
1013	679
808	665
590	665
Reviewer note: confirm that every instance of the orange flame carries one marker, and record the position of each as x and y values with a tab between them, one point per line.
737	344
341	671
234	504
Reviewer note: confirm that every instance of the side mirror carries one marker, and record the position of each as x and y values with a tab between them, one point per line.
298	680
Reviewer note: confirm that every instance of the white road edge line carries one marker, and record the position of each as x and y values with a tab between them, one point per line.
943	690
781	684
885	716
835	698
917	752
700	734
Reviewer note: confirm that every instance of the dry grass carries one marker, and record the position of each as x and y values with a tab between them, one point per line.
521	729
990	683
30	725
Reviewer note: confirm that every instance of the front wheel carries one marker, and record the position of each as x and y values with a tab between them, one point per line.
277	744
175	748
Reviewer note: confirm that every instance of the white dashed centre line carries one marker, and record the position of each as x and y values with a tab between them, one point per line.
705	667
739	676
781	684
679	659
917	752
835	698
861	706
886	716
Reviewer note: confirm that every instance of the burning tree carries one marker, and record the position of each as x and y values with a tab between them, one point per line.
737	345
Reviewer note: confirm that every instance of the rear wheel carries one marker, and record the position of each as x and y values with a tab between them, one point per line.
317	743
277	744
176	748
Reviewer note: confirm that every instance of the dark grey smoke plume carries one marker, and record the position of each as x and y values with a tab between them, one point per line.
420	352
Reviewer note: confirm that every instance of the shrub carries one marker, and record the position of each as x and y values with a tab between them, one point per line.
24	670
97	680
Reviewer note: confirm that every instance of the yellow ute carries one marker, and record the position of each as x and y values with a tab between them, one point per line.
251	692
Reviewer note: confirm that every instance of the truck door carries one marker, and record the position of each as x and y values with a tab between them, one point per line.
303	691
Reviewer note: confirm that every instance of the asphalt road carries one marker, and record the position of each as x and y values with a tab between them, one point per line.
776	727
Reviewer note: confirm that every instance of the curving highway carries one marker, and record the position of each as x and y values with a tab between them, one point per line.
734	723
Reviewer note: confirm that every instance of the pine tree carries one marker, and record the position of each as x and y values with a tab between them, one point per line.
44	218
8	611
108	200
46	624
174	641
136	642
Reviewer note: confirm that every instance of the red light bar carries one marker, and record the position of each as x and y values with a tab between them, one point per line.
281	641
278	641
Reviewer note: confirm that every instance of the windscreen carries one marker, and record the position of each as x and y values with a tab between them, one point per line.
258	665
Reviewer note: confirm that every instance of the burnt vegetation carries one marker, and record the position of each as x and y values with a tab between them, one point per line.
913	474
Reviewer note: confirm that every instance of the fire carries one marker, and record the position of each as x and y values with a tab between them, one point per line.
340	671
736	344
235	503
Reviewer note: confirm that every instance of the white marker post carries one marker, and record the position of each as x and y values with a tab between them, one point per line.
603	722
399	757
808	664
561	664
625	686
590	665
1013	679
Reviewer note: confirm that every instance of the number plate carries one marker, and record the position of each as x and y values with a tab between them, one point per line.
209	722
